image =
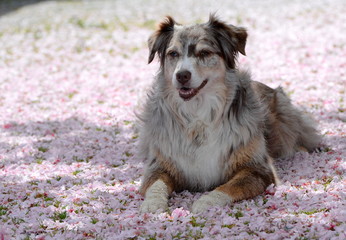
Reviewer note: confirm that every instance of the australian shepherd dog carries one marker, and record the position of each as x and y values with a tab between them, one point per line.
206	126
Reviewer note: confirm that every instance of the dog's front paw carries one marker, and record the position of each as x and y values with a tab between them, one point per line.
152	205
214	198
156	198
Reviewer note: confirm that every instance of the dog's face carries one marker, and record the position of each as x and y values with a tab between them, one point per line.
194	58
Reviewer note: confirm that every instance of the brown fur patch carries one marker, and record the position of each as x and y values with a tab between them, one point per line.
245	154
250	170
167	172
159	175
247	183
302	149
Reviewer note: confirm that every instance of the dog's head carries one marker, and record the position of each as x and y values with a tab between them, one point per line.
192	57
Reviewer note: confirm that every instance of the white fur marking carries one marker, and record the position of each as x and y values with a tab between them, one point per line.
156	198
214	198
205	169
188	64
277	179
202	167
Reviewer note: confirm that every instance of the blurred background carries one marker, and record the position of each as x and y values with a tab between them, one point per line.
310	28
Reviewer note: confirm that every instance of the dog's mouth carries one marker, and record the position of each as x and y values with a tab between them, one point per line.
188	93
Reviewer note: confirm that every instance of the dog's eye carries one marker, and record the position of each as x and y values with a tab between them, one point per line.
173	54
204	53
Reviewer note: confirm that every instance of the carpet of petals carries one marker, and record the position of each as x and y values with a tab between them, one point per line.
74	73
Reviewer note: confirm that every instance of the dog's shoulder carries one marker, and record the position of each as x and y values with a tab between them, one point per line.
245	99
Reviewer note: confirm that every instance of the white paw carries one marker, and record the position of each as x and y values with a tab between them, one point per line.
152	205
156	198
212	199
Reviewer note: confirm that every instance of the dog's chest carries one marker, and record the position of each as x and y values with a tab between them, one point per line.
201	162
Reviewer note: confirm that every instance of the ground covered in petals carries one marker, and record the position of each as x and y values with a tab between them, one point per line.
72	76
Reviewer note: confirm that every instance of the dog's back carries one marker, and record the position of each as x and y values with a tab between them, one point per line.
288	129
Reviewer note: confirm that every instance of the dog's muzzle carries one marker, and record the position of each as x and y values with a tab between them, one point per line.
188	93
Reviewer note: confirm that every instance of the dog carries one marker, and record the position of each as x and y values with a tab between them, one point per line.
206	126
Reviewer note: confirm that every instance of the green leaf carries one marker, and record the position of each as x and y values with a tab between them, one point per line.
43	149
238	215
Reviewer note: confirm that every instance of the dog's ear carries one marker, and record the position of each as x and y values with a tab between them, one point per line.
159	40
230	39
240	35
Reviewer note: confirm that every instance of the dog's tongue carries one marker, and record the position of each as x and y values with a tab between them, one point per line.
187	93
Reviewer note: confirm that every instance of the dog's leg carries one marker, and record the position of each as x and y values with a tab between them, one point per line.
252	171
247	183
156	198
214	198
156	188
159	182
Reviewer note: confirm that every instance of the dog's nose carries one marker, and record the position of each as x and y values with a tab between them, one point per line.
183	76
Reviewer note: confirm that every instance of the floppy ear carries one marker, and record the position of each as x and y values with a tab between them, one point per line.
240	35
159	40
230	39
